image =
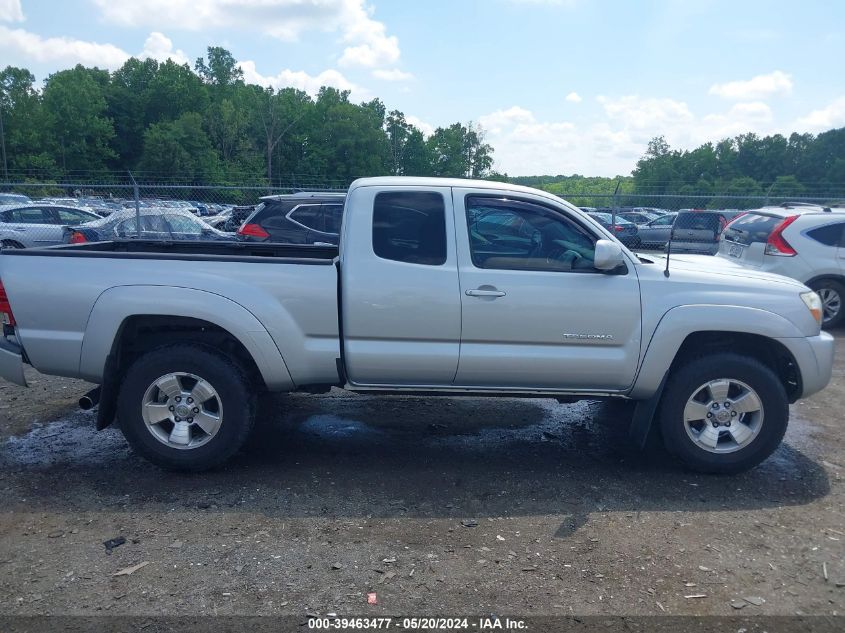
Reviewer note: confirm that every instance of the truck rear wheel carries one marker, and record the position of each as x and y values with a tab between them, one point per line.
185	407
723	413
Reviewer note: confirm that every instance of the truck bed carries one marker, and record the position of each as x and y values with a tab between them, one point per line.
280	298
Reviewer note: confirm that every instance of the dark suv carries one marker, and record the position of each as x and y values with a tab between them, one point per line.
298	218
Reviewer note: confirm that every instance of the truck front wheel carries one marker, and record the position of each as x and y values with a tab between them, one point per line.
185	407
723	413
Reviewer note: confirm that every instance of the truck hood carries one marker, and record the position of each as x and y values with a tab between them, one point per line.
709	265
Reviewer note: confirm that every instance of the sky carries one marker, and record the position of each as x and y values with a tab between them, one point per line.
559	86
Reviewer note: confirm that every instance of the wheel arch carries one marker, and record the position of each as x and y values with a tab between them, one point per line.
153	315
826	277
690	331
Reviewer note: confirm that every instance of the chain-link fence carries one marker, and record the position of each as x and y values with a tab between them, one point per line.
37	214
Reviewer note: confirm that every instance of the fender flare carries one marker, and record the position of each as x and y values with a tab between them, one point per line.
118	303
679	322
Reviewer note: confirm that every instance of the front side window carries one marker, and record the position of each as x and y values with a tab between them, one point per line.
517	235
410	226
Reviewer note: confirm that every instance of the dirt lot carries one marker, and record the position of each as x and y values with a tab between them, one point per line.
439	506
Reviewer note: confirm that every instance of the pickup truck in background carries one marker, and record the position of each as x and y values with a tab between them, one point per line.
441	287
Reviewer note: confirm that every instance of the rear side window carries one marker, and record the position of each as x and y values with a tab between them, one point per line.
332	215
829	235
308	215
410	226
751	228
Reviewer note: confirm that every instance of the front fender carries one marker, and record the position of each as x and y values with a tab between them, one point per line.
117	304
680	322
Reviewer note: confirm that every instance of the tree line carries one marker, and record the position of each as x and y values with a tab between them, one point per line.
717	175
206	125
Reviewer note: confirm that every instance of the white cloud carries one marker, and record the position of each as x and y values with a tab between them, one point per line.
426	128
759	87
641	116
303	81
11	11
159	47
574	97
831	116
394	74
611	143
64	52
366	40
496	121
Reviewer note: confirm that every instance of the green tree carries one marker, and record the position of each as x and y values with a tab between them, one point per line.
23	140
76	116
459	151
180	148
277	114
221	69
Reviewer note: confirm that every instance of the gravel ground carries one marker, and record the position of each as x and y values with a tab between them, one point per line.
439	506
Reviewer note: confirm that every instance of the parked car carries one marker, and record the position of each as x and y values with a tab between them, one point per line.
201	207
31	225
299	218
183	337
699	231
655	233
156	224
14	198
638	217
805	242
625	231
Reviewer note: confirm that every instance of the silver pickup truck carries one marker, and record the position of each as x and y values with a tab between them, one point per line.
440	287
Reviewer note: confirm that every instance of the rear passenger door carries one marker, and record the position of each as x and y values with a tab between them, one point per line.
400	301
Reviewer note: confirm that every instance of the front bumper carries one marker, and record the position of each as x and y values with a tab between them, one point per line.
11	362
814	356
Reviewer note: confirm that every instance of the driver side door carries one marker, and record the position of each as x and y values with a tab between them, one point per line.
535	313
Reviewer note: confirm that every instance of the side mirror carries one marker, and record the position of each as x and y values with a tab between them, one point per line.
608	255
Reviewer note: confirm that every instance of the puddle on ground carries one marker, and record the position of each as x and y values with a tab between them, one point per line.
72	441
334	427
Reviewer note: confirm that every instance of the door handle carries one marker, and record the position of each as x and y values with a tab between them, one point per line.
478	292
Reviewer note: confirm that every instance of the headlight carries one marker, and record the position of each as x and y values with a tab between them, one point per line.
814	305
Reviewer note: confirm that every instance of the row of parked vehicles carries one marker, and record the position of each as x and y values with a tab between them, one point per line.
802	241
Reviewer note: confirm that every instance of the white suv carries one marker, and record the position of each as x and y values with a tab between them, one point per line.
805	242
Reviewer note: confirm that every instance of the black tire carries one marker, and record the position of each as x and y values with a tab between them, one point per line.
687	379
226	377
10	244
838	289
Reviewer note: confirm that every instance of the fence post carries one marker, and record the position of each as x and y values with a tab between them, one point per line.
137	194
615	209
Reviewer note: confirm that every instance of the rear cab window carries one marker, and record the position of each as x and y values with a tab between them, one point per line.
410	226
